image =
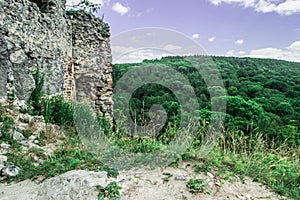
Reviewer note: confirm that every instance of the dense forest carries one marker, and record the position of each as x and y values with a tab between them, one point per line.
262	94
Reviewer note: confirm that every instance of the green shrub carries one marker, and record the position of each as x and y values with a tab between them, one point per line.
37	93
58	111
198	185
111	191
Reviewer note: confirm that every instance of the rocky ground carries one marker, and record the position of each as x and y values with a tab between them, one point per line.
136	185
168	183
31	133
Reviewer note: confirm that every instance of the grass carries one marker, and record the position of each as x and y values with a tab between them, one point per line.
61	161
278	167
70	155
198	185
235	153
139	145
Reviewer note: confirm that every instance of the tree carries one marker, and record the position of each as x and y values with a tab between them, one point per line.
284	109
245	113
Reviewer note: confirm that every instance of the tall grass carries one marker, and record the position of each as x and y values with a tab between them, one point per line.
252	155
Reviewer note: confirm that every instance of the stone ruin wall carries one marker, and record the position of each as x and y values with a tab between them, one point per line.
92	62
73	51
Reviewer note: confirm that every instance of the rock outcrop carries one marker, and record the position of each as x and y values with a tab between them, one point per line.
71	50
76	184
32	39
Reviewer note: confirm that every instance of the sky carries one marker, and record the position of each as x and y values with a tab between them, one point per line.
243	28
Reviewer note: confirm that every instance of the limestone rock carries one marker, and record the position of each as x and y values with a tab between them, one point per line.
10	170
3	160
19	137
4	145
74	184
71	51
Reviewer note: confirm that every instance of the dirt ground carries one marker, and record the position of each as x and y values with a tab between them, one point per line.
149	185
161	184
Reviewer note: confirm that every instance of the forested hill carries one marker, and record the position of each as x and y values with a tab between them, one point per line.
263	94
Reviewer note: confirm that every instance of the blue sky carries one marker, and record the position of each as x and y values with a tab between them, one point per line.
256	28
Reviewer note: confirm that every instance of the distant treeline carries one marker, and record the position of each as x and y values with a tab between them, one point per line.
262	94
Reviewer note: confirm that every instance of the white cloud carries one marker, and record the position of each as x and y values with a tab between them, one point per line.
171	47
235	53
239	42
212	39
195	36
142	13
290	53
267	53
283	7
119	8
295	46
218	2
131	55
117	50
126	54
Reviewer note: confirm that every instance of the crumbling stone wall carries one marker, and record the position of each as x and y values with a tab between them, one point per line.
92	62
31	39
73	52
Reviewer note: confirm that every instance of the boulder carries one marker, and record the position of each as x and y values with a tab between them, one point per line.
75	184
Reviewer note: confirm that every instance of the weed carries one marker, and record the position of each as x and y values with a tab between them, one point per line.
111	191
139	145
41	138
37	93
7	125
27	133
58	111
167	177
38	152
202	168
198	185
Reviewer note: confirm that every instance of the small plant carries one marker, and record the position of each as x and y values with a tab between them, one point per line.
41	138
139	144
167	178
202	168
85	5
111	191
7	125
198	185
104	30
39	152
37	93
27	133
58	111
12	96
47	107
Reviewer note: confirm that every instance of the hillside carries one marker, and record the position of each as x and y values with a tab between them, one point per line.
49	143
262	93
